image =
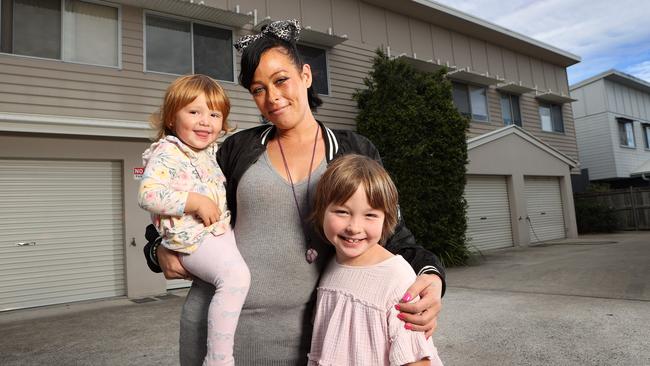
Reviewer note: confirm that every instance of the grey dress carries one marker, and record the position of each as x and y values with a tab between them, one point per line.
275	324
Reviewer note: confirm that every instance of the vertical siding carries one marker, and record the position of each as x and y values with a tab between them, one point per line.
246	6
479	55
524	70
511	68
460	48
495	61
442	49
627	159
591	99
627	102
373	25
319	15
285	9
346	18
538	74
421	39
594	140
399	35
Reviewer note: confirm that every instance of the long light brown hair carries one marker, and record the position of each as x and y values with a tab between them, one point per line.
342	179
182	92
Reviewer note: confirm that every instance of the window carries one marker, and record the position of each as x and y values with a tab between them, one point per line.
551	116
510	109
471	101
317	60
69	30
626	132
646	136
181	47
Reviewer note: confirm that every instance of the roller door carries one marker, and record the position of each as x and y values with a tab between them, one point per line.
62	230
488	213
544	206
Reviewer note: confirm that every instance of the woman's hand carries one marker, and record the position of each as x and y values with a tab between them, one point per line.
422	315
171	264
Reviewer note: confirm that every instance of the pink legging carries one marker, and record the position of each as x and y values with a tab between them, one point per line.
218	261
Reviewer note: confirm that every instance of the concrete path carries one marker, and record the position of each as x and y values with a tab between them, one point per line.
584	302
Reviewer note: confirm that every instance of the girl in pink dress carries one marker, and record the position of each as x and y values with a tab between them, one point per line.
184	189
356	322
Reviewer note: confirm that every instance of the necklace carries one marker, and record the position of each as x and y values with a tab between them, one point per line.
311	253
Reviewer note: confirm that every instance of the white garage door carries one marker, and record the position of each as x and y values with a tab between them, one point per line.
61	225
544	203
488	213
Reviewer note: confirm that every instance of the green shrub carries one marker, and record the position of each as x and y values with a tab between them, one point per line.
410	116
595	217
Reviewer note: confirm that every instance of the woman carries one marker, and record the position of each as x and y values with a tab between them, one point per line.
271	173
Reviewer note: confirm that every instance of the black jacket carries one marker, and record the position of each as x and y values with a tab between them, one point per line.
241	150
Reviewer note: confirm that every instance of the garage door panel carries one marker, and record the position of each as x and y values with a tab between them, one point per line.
72	211
488	213
544	208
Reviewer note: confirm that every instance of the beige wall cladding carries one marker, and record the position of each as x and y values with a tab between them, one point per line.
538	74
373	25
479	55
442	49
317	14
549	76
495	60
284	9
346	19
564	142
399	35
524	70
421	40
246	6
510	66
460	48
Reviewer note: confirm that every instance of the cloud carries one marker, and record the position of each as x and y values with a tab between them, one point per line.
606	34
640	70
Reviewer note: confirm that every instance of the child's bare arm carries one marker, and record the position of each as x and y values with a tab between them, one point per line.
424	362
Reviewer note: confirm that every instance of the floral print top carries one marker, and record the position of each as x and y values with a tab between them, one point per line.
172	170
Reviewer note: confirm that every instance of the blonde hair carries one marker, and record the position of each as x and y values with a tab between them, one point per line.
182	92
342	179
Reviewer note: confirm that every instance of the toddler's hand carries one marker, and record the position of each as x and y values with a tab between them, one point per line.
203	207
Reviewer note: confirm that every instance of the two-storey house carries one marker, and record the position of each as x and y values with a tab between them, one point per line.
612	122
79	79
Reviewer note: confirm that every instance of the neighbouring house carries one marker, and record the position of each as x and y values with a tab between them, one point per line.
612	122
78	80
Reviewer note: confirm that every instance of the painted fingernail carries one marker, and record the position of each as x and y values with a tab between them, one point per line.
397	307
407	297
408	326
400	316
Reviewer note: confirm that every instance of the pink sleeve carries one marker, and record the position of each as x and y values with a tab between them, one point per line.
405	345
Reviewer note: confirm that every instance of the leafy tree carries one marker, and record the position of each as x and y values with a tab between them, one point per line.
409	115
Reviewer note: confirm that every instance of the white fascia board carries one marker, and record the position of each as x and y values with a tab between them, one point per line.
65	125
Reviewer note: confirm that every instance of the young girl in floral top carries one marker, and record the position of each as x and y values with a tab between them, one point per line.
357	323
184	189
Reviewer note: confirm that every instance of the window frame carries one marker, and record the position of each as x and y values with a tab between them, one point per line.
191	21
510	104
469	101
550	108
646	134
621	121
327	65
62	59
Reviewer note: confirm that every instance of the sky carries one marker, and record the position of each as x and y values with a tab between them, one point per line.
606	34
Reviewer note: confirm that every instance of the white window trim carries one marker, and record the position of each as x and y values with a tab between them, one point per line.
327	65
521	117
469	99
549	105
119	38
191	21
624	121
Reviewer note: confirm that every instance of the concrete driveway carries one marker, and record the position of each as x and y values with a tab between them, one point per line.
581	302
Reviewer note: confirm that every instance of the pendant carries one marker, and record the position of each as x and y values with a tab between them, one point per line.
310	255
